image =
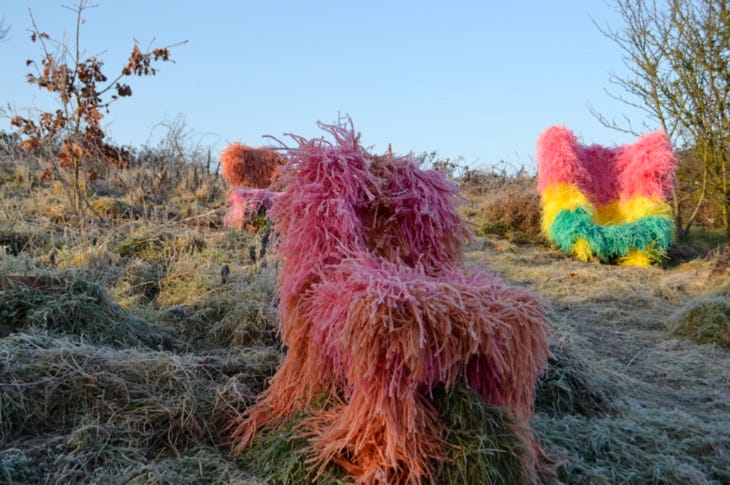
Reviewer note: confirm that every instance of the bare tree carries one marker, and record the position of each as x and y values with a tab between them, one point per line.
677	53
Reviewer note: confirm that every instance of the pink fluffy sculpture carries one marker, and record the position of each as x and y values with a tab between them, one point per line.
376	310
246	205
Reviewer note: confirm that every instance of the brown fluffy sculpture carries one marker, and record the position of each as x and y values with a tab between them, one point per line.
245	166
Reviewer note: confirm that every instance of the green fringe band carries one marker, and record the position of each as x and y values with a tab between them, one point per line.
651	233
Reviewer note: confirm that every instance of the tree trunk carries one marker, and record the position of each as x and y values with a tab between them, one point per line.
726	210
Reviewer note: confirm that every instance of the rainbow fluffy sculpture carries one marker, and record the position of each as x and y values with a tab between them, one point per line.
377	310
607	203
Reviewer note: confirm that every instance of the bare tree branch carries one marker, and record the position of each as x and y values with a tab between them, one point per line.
677	56
3	30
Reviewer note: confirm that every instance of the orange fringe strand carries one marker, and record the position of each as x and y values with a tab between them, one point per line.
376	310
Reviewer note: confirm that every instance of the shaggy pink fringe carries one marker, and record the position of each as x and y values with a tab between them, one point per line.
644	168
376	309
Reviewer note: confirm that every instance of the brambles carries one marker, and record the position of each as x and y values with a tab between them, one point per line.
84	94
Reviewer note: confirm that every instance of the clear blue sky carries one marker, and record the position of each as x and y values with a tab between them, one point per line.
477	79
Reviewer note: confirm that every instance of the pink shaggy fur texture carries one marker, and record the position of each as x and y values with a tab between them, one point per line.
644	168
377	309
246	204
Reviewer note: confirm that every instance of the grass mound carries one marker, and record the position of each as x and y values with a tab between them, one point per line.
279	455
59	306
210	304
484	447
637	447
102	455
200	466
50	384
705	319
570	385
110	411
75	457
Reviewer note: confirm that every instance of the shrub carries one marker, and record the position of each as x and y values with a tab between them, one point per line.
503	204
84	94
512	211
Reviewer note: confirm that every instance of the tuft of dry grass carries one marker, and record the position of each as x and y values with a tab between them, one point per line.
110	410
571	385
115	208
57	306
138	284
705	320
503	204
154	243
